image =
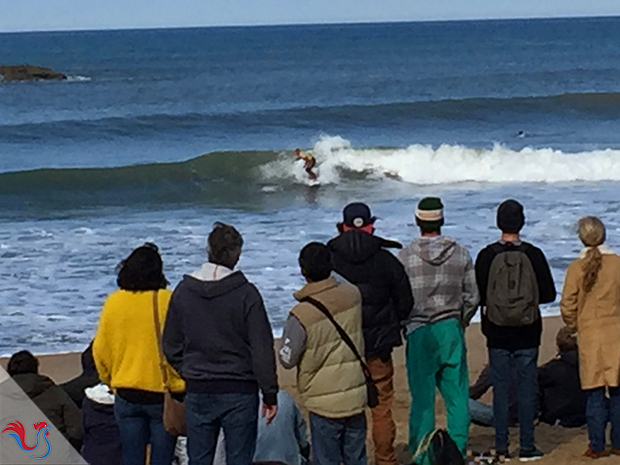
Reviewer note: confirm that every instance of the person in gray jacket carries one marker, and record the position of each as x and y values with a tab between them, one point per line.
218	338
445	297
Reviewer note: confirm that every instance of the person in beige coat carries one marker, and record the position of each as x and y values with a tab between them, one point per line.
591	306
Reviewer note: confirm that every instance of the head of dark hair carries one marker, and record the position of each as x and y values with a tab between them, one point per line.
566	340
315	261
510	217
22	362
224	245
429	227
143	270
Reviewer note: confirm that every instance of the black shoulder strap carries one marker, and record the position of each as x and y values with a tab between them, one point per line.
343	334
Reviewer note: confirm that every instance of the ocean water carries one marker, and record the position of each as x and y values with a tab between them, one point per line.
158	133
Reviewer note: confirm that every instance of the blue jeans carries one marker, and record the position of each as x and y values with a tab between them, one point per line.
338	441
598	413
236	414
481	413
140	425
525	362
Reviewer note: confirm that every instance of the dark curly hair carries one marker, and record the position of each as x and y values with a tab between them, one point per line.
143	270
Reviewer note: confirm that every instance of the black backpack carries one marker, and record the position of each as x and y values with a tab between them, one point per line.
512	292
440	448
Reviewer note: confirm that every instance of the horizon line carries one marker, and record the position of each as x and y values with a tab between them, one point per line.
325	23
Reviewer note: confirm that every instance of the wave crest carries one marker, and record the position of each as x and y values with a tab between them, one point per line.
337	160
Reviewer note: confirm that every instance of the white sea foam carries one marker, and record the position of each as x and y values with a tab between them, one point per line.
446	164
78	79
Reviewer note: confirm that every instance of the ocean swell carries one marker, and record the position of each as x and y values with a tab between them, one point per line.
141	122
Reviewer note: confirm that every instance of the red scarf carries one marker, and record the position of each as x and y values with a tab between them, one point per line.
368	229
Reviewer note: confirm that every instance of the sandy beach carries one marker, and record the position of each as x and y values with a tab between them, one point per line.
560	445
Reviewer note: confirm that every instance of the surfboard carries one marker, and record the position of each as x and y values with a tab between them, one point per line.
392	175
314	183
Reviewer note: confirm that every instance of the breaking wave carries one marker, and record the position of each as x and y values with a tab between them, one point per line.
229	177
426	165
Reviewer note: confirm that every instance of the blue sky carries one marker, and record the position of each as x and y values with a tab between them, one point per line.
19	15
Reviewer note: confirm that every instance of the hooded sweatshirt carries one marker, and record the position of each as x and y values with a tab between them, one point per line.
362	259
442	279
218	337
55	404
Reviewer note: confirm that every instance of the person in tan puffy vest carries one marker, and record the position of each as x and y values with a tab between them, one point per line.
330	378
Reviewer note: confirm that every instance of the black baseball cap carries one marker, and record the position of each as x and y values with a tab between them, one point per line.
357	215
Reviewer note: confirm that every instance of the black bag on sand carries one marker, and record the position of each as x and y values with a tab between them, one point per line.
371	388
440	448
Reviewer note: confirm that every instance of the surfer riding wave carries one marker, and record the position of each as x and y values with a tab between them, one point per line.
309	162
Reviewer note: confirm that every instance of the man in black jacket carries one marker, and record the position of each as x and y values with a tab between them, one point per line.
218	337
513	346
561	399
361	258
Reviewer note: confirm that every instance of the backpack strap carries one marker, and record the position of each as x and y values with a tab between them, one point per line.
343	334
424	445
160	348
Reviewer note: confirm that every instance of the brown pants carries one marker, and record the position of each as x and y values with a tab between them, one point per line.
383	426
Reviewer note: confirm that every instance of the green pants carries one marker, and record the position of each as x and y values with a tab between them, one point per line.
437	359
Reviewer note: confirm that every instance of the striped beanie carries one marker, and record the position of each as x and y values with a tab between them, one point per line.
430	210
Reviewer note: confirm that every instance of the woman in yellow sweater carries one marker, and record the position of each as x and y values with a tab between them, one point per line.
127	357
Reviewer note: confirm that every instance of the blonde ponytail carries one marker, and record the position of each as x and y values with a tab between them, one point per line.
591	231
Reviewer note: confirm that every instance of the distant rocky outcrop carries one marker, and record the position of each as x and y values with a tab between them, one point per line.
29	73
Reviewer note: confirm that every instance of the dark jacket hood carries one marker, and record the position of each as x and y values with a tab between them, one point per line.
214	289
357	246
571	357
33	384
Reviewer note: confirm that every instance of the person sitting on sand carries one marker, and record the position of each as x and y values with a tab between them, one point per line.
285	440
590	306
53	401
102	442
560	398
309	162
481	413
88	378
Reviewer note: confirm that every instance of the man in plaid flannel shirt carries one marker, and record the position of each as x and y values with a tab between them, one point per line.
446	296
